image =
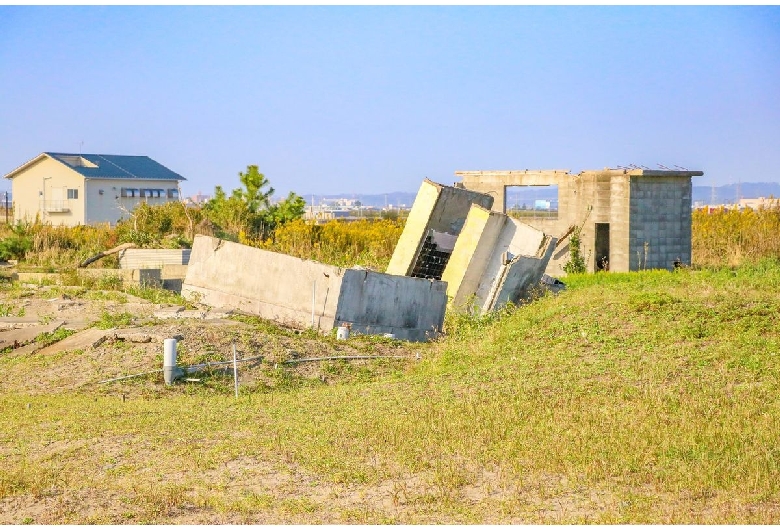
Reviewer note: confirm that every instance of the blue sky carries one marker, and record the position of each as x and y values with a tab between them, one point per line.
374	99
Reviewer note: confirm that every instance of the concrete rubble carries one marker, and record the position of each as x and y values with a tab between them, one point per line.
487	258
304	293
452	246
496	260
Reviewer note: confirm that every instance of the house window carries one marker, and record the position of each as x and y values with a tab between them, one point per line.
173	194
130	192
73	194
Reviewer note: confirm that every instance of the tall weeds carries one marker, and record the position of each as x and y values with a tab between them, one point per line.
732	238
368	243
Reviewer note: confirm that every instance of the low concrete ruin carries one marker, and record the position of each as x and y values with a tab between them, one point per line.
631	218
153	258
128	277
305	293
496	260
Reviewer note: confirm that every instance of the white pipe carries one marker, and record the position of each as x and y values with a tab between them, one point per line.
169	360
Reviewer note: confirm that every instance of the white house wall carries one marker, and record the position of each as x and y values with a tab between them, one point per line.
105	203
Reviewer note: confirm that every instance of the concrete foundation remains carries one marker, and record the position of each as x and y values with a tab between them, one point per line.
153	258
435	220
305	293
630	219
496	260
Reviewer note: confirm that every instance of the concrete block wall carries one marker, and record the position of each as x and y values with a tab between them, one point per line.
304	293
660	222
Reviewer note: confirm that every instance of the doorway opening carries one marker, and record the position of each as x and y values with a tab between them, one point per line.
601	247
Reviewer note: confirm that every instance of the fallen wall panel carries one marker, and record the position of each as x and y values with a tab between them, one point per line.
496	260
436	209
304	293
275	286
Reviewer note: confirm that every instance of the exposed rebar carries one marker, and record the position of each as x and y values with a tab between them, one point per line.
345	358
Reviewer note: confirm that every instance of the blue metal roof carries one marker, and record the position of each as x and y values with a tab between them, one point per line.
116	166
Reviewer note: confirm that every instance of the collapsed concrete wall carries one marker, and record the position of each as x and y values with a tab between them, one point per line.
304	293
496	260
435	220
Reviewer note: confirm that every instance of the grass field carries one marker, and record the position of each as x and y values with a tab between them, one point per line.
648	397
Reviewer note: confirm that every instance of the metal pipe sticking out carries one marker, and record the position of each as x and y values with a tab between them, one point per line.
169	361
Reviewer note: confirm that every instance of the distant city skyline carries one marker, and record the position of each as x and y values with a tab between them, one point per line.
369	99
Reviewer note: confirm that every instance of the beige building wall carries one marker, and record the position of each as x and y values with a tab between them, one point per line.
41	192
48	180
105	204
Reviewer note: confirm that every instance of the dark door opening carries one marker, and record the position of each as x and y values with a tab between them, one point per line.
602	247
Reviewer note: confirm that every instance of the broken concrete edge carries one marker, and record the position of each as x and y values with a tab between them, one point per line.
437	208
305	294
83	339
128	277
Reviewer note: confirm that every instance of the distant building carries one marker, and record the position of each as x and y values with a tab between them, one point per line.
73	189
199	198
755	204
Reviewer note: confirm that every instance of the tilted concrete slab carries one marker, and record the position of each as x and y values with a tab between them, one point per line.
19	337
305	293
437	208
496	260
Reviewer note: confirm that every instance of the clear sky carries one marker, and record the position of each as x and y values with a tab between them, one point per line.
374	99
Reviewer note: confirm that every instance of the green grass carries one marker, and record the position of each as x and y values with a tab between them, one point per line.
647	397
114	320
50	337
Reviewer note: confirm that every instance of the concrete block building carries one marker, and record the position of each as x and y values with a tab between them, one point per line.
631	219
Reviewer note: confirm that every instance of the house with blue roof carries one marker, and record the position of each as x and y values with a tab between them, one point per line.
72	189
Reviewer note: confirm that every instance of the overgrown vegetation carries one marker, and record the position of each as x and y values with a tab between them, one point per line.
576	263
646	397
369	243
732	237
